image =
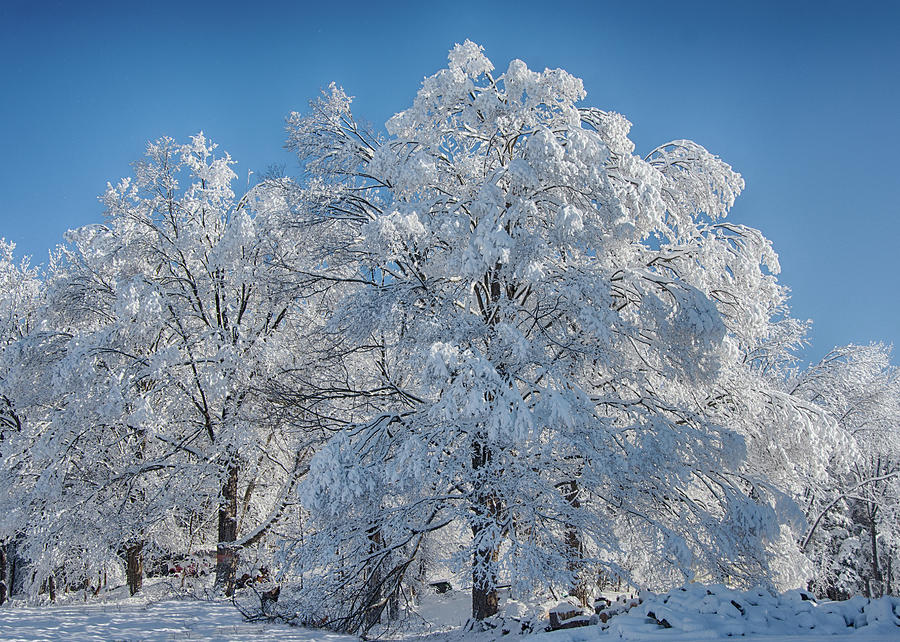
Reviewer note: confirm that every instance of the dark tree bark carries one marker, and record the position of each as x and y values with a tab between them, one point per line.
134	567
889	587
575	547
485	601
226	555
51	588
375	581
14	567
876	585
394	605
4	579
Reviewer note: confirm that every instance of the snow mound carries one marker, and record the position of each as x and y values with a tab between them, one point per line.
711	612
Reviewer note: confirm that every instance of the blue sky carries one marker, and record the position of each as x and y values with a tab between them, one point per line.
800	97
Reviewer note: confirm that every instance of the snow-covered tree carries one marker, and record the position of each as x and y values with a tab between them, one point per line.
537	320
20	294
492	339
853	529
152	428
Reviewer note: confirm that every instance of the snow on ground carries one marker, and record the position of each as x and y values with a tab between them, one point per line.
714	612
583	635
169	620
693	613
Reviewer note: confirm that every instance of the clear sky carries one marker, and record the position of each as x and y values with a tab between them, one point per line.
802	98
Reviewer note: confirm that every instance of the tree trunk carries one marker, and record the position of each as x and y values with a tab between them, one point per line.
134	567
876	572
485	601
226	555
13	572
374	582
51	588
575	548
4	580
889	587
394	605
486	504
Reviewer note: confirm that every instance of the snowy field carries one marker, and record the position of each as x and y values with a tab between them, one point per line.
171	620
198	620
697	613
